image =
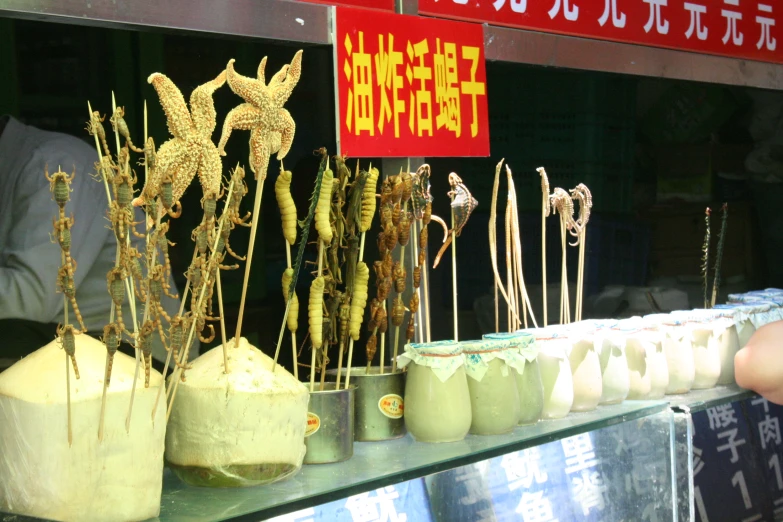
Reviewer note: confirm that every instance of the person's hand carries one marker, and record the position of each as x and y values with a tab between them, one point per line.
759	365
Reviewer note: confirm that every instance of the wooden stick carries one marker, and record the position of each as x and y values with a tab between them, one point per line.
544	214
719	253
68	393
67	363
168	356
175	378
251	246
524	297
454	274
509	274
414	262
350	342
222	323
320	273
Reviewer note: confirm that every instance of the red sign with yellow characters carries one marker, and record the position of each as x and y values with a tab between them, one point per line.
409	86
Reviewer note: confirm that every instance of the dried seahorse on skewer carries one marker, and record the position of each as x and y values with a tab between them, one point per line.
67	340
462	205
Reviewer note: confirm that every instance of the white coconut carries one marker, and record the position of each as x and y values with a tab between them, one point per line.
118	479
237	429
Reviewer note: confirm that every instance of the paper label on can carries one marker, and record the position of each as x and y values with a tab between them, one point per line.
392	406
313	424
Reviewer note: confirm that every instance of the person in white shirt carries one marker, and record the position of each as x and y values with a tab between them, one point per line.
29	306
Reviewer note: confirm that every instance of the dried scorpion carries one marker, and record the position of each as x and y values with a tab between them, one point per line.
112	334
68	341
118	124
95	128
238	193
60	186
66	285
462	206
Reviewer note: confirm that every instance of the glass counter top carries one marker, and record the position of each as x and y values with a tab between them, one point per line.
375	465
698	400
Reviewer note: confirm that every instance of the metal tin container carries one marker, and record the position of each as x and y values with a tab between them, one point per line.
330	429
378	404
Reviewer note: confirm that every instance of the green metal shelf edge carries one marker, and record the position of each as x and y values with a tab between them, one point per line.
376	465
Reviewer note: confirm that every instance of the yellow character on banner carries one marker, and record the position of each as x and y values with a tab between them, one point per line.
447	87
421	98
472	87
386	63
358	71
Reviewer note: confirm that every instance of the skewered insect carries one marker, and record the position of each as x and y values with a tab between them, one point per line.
177	328
414	303
145	347
399	276
398	311
60	186
115	282
423	238
112	333
396	214
345	318
407	186
359	299
293	312
462	206
122	221
372	342
163	244
118	124
322	223
62	230
66	334
239	192
420	195
404	228
167	196
315	311
417	276
381	319
66	285
225	232
287	205
95	128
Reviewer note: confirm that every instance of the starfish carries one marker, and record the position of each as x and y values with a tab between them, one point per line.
191	149
271	126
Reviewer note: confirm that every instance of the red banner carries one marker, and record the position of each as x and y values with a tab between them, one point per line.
385	5
409	86
737	28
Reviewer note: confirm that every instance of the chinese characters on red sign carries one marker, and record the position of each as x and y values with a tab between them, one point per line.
739	28
409	86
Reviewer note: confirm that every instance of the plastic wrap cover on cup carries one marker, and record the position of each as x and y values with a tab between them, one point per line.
528	377
558	383
329	434
714	341
494	399
437	400
378	403
678	346
746	317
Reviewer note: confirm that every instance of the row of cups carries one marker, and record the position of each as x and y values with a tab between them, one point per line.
490	386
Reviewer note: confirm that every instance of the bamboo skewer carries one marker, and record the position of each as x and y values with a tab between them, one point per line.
350	342
705	260
67	364
222	321
202	293
414	261
454	275
719	254
253	229
545	211
314	348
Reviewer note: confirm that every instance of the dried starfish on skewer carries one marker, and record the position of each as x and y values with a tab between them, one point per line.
190	150
462	206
